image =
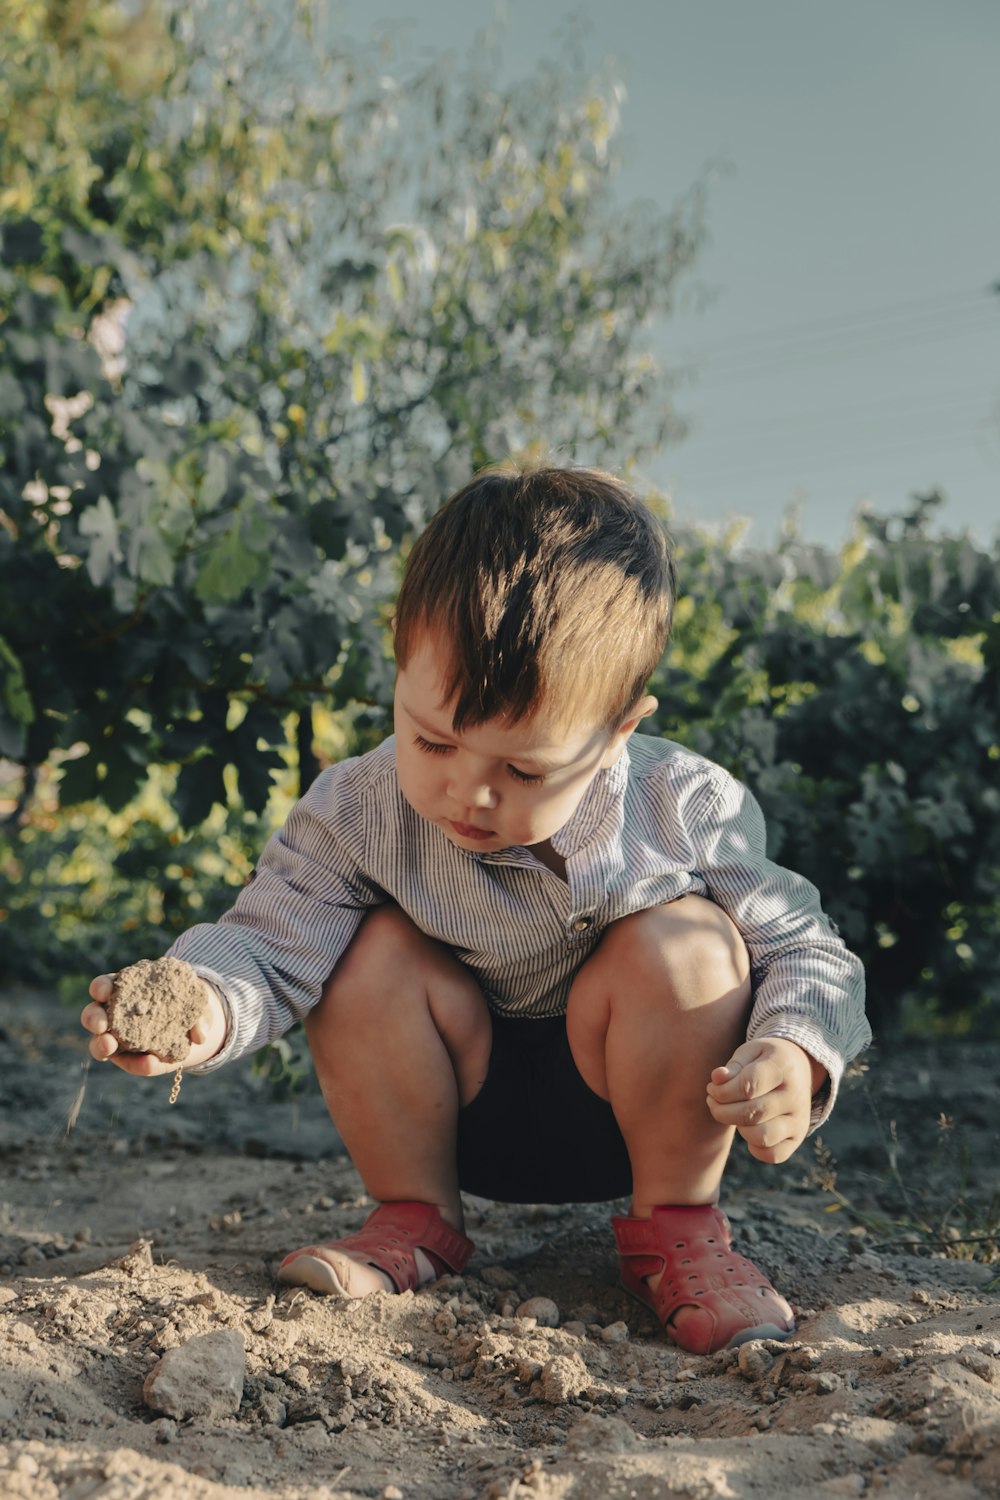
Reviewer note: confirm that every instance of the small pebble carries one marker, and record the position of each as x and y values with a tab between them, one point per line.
615	1333
542	1309
844	1484
754	1360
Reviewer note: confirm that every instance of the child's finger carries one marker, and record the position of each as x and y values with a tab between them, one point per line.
138	1064
742	1081
747	1113
102	1047
769	1134
100	988
774	1155
143	1064
199	1031
94	1018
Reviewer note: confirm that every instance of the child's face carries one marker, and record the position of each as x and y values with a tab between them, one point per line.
494	785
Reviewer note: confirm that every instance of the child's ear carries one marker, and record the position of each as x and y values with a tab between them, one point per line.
640	710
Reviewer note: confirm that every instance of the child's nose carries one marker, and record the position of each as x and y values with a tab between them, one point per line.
472	793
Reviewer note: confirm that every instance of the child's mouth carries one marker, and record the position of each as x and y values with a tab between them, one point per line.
466	831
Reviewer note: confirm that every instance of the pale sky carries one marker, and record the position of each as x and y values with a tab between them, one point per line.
851	348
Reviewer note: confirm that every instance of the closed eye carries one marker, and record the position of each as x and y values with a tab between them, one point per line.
434	747
524	777
429	747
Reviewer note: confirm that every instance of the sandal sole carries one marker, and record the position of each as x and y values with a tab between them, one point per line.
318	1275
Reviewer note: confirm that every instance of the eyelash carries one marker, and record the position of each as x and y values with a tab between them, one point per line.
430	748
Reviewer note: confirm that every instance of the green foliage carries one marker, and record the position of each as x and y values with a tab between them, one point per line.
859	698
261	307
85	886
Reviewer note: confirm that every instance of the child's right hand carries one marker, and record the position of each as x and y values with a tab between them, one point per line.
206	1035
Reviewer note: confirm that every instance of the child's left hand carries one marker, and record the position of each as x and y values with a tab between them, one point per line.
766	1091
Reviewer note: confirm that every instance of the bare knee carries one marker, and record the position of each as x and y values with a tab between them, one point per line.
686	953
675	976
387	960
689	949
392	980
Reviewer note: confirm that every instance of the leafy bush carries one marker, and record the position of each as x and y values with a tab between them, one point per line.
261	307
88	890
859	697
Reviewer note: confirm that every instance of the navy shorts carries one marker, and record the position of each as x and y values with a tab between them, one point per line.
535	1133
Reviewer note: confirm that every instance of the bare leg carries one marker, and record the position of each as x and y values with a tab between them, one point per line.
400	1041
664	1000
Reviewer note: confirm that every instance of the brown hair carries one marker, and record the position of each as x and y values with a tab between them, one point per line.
549	586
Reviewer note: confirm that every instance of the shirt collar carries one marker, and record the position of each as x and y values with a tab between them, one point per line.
603	797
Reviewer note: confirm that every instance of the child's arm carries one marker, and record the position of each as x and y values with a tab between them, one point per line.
766	1091
206	1035
266	960
808	988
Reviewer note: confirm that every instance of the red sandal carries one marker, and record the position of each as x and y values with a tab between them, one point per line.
693	1247
388	1240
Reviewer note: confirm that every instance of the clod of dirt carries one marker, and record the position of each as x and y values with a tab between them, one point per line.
154	1003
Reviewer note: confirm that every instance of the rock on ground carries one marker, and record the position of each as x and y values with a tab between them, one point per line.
202	1378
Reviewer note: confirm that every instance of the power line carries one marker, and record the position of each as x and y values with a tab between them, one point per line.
901	312
837	418
805	358
747	473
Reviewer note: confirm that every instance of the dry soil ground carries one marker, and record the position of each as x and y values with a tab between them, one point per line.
145	1226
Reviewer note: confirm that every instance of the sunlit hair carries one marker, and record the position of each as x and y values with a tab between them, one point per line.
544	586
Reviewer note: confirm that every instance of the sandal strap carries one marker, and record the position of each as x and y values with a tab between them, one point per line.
393	1233
668	1238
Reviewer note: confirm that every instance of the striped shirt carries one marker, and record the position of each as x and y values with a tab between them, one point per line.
660	823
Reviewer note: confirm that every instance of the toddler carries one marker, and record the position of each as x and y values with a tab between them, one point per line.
539	957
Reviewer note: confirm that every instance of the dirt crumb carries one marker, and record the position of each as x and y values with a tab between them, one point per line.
153	1006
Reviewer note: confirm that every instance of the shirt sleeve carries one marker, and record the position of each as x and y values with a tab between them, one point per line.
269	956
807	986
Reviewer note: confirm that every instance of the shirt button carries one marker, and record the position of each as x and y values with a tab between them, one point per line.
582	923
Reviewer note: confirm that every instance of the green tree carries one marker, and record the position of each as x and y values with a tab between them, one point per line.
261	308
